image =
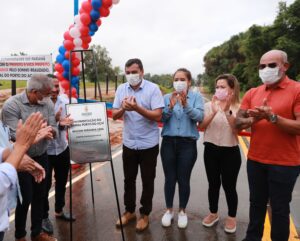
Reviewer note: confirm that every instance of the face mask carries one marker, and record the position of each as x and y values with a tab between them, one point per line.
133	79
221	94
180	86
269	75
44	100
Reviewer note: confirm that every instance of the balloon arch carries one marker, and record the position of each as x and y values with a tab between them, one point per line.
78	37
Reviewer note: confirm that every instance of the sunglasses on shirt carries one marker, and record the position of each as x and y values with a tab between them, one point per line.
270	65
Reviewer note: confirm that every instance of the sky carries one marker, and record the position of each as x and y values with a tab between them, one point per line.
164	34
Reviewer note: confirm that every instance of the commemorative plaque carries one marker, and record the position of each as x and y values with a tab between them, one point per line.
89	135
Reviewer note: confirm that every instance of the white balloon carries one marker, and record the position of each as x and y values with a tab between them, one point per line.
74	32
77	20
116	1
77	42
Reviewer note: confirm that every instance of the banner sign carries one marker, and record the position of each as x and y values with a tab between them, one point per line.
22	67
89	135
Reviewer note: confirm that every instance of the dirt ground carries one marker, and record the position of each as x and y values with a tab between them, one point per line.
115	127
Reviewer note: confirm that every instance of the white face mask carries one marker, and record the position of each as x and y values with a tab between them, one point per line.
44	100
180	86
269	75
133	79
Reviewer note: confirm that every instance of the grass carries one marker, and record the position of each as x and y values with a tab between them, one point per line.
6	84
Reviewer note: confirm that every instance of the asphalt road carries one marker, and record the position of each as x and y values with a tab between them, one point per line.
97	223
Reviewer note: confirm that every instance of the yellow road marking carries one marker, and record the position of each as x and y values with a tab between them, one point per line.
267	227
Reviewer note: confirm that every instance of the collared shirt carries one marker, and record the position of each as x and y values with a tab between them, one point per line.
269	144
14	191
182	121
8	180
18	107
219	131
5	136
140	132
59	144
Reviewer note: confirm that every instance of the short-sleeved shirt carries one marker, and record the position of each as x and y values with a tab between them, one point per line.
269	144
18	107
139	132
219	131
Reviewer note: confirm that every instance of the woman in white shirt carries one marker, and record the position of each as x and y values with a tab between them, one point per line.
222	156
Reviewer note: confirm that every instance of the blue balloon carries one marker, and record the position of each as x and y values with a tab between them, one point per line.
93	27
95	15
66	74
96	4
75	81
66	65
91	33
60	58
62	50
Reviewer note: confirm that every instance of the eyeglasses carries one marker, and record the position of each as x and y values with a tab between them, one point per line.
270	65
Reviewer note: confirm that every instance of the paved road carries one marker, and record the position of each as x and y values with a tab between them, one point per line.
96	223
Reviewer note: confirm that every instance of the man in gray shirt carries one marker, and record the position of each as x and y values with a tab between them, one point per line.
35	98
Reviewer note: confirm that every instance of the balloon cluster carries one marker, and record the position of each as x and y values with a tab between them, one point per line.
78	37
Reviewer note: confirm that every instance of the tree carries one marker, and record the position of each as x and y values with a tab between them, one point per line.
241	53
103	64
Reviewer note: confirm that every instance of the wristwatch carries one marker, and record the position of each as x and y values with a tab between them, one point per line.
273	118
228	113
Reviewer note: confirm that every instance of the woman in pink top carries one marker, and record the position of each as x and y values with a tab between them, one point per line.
222	156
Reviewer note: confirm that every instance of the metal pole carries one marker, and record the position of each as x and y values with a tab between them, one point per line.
115	185
71	196
106	84
116	82
13	87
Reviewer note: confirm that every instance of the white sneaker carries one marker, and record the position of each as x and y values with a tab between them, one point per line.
167	218
182	219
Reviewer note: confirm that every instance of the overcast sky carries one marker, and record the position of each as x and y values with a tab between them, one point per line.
164	34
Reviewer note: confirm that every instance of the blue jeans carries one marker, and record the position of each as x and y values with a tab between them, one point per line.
274	183
178	155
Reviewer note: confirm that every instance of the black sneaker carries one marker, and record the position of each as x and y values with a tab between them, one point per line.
47	226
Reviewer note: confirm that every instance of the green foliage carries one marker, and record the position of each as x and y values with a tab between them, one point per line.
164	80
240	55
103	63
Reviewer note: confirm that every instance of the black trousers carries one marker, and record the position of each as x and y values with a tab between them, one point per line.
274	183
145	159
222	166
61	166
33	193
1	236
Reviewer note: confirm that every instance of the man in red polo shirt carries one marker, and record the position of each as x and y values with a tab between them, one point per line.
272	110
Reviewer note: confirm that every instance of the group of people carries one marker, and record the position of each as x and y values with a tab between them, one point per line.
47	151
271	110
30	152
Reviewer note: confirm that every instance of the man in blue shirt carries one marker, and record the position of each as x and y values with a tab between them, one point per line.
140	103
25	135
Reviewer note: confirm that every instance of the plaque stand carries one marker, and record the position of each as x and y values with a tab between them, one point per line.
97	84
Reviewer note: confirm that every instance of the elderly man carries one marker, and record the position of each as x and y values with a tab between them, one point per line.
59	159
34	98
8	176
140	102
272	110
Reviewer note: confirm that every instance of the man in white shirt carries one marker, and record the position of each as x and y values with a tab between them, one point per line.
58	159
